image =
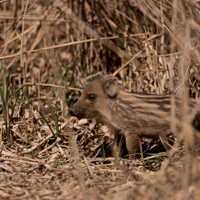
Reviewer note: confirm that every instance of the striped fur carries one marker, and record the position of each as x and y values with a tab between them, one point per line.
131	114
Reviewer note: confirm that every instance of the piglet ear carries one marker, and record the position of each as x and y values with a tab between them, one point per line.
111	86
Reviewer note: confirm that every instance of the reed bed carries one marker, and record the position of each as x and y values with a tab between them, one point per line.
49	50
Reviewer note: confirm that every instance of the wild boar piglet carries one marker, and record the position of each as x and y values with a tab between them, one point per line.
130	114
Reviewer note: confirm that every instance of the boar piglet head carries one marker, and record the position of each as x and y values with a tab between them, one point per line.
95	98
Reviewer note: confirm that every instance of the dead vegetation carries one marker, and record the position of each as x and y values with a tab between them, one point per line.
49	50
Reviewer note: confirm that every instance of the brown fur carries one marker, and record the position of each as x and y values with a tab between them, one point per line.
131	114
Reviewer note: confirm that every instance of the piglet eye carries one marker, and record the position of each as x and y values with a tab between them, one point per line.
92	97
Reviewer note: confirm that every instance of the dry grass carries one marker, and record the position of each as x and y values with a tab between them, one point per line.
49	50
